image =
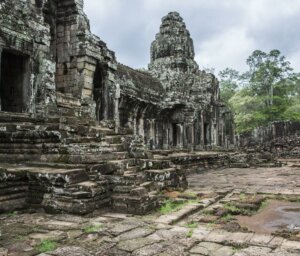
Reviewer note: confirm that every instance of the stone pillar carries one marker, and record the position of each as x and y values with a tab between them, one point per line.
141	126
217	127
0	76
193	136
181	135
202	140
135	121
152	134
117	113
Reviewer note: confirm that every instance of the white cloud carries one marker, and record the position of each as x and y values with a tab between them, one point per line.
229	49
224	32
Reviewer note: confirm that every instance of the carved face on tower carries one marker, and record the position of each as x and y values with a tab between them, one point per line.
173	47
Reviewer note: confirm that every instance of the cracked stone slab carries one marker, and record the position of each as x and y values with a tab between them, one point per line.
201	232
176	216
134	244
260	239
254	251
149	250
125	226
69	251
291	246
205	248
135	233
224	251
52	235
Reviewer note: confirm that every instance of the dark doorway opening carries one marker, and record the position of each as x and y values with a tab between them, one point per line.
14	81
175	135
99	92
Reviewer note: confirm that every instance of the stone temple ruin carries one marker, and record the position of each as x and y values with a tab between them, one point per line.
80	131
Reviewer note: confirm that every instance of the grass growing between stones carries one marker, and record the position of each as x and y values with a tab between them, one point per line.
174	206
190	233
93	229
192	225
46	246
171	206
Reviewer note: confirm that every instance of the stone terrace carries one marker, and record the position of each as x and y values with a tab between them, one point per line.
173	233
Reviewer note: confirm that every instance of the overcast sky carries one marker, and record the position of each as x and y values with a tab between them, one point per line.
225	32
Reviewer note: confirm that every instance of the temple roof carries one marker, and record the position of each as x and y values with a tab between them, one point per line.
140	84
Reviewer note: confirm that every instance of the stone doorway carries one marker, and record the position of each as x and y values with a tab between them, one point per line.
206	134
177	135
99	91
14	82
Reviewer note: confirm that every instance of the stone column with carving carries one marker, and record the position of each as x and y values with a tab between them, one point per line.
117	114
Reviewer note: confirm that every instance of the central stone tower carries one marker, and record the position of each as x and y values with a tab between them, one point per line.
172	52
172	59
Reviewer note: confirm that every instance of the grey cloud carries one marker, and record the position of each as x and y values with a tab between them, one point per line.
225	32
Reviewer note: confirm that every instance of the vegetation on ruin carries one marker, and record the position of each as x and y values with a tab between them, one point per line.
170	206
93	228
46	246
190	233
192	225
268	91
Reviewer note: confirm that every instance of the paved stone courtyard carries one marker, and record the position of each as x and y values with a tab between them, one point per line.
205	224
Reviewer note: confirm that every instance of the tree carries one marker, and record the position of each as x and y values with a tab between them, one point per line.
247	110
229	83
266	70
268	91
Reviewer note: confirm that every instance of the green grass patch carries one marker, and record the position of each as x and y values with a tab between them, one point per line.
47	246
242	196
12	214
192	225
171	206
226	218
190	233
263	205
207	212
231	208
93	228
236	210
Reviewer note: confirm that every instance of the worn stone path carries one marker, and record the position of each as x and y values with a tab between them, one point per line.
105	233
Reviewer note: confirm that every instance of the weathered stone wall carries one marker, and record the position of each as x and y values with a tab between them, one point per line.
24	32
281	138
70	73
193	95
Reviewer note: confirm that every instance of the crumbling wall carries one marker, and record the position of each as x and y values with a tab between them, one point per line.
23	32
281	138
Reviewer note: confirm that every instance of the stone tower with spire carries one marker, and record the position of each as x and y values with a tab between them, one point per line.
173	63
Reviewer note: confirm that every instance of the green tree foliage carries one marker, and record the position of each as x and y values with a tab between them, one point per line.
268	91
229	80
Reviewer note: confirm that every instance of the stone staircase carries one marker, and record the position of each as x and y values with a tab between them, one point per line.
74	166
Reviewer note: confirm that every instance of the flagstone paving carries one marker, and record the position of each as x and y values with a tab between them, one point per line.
199	227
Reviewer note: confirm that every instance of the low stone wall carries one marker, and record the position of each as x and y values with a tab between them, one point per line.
279	138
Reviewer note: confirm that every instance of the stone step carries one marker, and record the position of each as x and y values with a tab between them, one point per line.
30	136
116	139
126	163
123	189
160	175
101	130
175	217
146	164
82	139
133	204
